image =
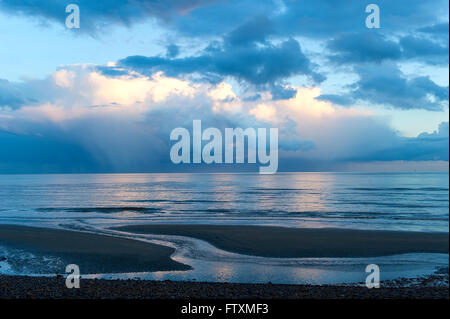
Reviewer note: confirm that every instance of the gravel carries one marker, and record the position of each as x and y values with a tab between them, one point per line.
13	287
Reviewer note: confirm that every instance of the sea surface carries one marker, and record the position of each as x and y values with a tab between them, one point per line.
94	202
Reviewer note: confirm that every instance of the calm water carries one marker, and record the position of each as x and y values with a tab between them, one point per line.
400	201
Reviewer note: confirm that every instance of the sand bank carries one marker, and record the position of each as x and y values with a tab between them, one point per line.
93	253
284	242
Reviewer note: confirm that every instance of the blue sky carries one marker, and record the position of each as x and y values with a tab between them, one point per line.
104	98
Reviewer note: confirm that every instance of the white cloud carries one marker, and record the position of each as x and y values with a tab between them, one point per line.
125	121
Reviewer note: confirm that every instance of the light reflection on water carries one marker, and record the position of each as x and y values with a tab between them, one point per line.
415	201
212	264
403	201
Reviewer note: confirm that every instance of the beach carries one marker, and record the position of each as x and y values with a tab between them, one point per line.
96	253
92	253
224	236
100	253
211	149
23	287
286	242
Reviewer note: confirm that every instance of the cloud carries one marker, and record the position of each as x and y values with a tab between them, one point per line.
373	47
172	50
425	50
386	85
418	149
85	121
440	29
118	116
96	15
112	71
257	29
315	19
363	47
244	54
441	133
23	153
345	100
194	18
10	95
374	58
257	42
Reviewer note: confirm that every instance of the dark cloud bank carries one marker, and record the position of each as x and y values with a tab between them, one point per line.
256	43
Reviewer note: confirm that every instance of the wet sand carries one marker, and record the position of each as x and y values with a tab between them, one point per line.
93	253
284	242
100	253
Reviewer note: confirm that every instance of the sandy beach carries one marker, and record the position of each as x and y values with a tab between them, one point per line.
100	253
293	242
93	253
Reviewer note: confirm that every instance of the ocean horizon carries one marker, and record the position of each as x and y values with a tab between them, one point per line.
94	203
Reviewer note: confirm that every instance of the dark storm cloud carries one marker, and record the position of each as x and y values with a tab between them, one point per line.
212	17
363	47
244	54
112	71
33	153
105	145
385	84
256	42
99	14
172	50
257	29
433	147
372	46
425	50
317	19
440	29
246	26
280	92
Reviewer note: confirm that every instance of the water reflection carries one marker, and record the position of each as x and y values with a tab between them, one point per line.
413	201
375	201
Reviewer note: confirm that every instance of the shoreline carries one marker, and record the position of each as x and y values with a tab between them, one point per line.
93	253
103	252
283	242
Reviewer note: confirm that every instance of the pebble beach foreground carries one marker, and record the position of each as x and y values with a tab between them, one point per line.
108	254
23	287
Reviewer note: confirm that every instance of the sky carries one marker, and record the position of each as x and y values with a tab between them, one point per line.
104	97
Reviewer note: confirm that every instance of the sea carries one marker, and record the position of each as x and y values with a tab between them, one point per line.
95	202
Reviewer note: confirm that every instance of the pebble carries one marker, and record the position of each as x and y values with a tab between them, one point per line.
432	287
